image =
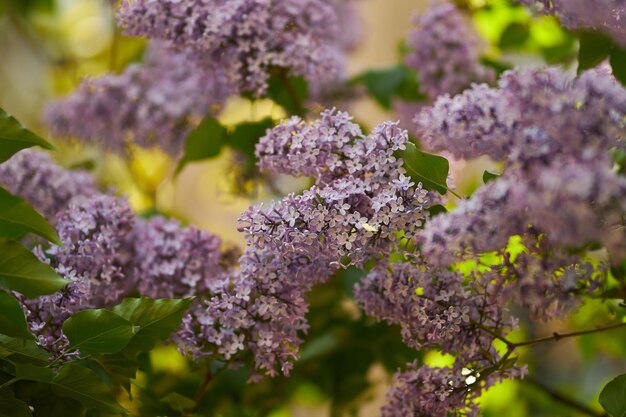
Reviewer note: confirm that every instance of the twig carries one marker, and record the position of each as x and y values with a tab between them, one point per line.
198	395
558	336
563	399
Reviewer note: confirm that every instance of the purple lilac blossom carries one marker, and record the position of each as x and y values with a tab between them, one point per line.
605	15
360	199
445	310
532	114
445	51
156	103
34	176
249	38
92	233
171	261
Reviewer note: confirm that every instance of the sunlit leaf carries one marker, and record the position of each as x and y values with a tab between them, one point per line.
18	218
97	332
14	137
21	271
430	170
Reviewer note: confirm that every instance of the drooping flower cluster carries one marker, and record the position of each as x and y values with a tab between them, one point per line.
92	233
558	191
250	38
167	260
442	309
445	51
533	114
360	200
50	189
606	15
157	102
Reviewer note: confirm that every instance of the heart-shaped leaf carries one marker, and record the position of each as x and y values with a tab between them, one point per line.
17	218
97	332
14	137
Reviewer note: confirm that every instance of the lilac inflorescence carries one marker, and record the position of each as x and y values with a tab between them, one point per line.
93	233
604	15
532	114
360	200
155	103
250	38
34	176
445	52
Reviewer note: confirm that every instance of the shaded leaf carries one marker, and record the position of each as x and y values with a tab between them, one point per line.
120	369
288	92
22	350
157	320
489	176
11	407
618	64
12	320
84	386
14	137
204	142
385	84
17	218
613	397
246	135
430	170
178	402
21	271
514	36
595	47
97	331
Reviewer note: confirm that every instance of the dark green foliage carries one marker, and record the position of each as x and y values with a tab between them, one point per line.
17	218
97	332
386	84
595	47
21	271
613	397
12	320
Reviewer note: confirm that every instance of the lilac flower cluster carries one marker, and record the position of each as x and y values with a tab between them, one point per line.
154	103
533	114
47	187
249	38
605	15
558	192
92	233
445	52
442	309
360	200
167	260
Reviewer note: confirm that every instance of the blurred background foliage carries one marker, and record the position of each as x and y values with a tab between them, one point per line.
48	46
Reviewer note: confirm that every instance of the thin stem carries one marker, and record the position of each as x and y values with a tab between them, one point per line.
558	336
563	399
291	91
200	392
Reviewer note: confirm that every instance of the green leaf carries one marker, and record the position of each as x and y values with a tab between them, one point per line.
22	350
21	271
30	372
384	84
84	386
119	368
595	47
613	397
204	142
157	320
10	407
178	402
246	135
12	320
17	218
14	137
514	36
618	63
489	176
288	92
97	332
430	170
